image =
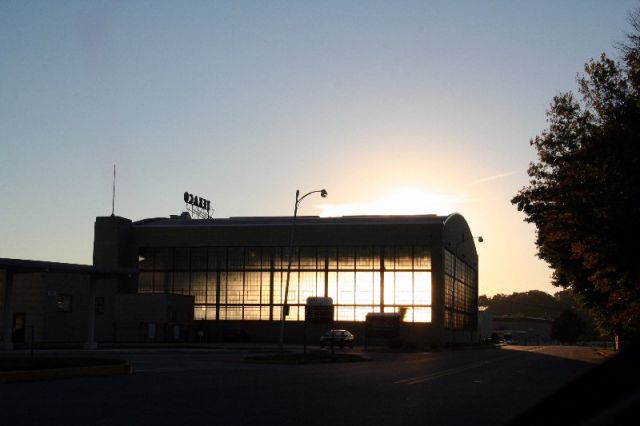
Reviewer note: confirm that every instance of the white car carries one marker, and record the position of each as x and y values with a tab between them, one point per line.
340	338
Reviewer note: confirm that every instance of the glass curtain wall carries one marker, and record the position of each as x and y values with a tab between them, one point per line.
460	293
247	283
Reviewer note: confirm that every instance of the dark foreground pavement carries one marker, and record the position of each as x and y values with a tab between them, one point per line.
214	386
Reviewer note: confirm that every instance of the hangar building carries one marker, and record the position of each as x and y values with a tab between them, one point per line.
424	267
189	279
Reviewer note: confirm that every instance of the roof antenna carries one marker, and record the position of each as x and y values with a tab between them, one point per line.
113	196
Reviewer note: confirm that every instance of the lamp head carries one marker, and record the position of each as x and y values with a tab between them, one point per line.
324	193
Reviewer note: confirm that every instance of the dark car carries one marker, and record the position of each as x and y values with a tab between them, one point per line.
340	338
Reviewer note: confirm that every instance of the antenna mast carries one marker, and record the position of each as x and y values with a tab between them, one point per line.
113	196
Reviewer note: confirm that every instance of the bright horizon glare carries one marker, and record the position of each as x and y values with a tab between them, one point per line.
403	201
406	107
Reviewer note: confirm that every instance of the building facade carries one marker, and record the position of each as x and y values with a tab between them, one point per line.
423	267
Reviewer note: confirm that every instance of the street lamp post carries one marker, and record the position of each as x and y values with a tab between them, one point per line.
453	289
285	306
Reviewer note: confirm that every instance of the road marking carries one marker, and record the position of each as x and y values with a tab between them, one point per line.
449	372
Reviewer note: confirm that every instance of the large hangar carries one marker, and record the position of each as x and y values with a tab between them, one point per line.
423	267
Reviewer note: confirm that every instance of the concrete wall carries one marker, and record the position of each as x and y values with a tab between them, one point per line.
36	295
149	317
28	298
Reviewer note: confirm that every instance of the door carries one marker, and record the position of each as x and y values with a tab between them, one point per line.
19	326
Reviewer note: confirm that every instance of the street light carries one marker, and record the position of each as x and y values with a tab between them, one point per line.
453	289
285	306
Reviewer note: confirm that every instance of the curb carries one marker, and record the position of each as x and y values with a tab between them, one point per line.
65	373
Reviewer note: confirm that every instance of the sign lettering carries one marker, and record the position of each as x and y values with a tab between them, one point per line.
196	201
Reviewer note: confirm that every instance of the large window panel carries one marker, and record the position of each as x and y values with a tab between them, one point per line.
252	280
199	287
389	288
365	288
211	286
377	288
364	258
404	258
296	313
362	311
252	313
265	292
345	313
294	258
277	311
320	283
252	287
294	294
235	259
235	287
164	259
346	258
390	258
421	314
307	286
163	282
404	288
407	314
278	287
145	282
346	294
421	258
231	312
448	263
264	312
333	287
200	313
180	283
448	291
217	258
181	259
268	257
253	258
422	288
199	259
331	256
308	258
146	257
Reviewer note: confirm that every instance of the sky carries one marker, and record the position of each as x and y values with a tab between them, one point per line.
394	107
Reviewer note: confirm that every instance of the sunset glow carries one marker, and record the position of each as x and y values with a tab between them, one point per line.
401	201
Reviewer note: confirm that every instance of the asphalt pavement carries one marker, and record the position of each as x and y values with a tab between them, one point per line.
214	385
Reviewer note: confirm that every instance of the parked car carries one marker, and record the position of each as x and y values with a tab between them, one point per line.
340	338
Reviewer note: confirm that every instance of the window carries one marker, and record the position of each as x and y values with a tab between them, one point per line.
63	302
249	282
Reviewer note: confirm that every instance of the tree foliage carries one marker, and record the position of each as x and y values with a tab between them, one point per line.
568	327
534	303
539	304
584	192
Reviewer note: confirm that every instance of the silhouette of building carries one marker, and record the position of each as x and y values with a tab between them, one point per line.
236	269
522	330
213	279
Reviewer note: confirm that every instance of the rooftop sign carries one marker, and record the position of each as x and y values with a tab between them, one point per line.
198	202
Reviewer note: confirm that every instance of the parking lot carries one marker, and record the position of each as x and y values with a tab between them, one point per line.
215	385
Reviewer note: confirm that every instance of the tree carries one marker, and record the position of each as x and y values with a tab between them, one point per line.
584	192
533	303
567	327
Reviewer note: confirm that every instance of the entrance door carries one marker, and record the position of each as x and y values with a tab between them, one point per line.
19	327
